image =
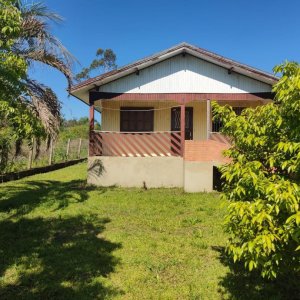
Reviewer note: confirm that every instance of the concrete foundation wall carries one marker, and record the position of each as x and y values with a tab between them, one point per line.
156	172
134	171
198	176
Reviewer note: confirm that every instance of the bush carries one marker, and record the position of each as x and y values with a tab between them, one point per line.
262	181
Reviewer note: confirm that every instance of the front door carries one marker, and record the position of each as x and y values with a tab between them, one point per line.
175	121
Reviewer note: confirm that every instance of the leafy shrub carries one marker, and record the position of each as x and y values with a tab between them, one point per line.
262	181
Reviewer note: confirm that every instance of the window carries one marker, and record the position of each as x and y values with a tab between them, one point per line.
238	110
135	119
217	124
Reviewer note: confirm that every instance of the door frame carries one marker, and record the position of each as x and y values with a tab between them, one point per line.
189	130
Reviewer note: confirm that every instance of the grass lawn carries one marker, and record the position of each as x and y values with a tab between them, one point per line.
61	239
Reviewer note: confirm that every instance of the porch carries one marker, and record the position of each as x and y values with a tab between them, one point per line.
157	129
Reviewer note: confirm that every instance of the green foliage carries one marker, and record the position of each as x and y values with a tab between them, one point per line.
27	108
75	129
106	60
14	158
12	70
16	123
12	67
262	180
10	23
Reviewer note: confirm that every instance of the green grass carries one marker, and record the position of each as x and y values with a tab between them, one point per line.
61	239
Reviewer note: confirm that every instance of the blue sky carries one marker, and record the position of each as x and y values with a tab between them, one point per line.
259	33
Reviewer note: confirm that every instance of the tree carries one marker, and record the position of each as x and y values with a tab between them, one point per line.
36	44
12	67
261	182
12	71
27	107
106	60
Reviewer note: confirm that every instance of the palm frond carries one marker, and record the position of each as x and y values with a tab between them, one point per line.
44	105
42	56
38	9
37	44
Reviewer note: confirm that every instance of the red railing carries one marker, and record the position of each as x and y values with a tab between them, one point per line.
135	144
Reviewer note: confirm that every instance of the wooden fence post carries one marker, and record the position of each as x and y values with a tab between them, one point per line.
68	149
30	157
50	152
79	148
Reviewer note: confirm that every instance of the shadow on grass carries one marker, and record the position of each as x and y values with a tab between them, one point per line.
24	198
240	284
55	258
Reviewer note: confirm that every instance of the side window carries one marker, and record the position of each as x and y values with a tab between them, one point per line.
217	124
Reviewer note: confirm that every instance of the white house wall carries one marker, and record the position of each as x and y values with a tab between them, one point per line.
185	74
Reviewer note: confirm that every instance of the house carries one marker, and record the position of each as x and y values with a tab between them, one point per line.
157	128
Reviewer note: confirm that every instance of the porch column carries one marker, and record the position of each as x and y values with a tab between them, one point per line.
92	126
182	127
208	118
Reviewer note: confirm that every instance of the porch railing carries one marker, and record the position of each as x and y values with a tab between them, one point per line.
135	144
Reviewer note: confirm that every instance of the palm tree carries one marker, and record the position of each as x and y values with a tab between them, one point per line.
37	45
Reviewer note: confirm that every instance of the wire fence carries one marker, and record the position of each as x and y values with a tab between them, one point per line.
56	152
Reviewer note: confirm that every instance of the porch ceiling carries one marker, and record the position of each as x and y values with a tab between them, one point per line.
180	97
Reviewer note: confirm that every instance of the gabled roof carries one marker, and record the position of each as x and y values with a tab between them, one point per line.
216	59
